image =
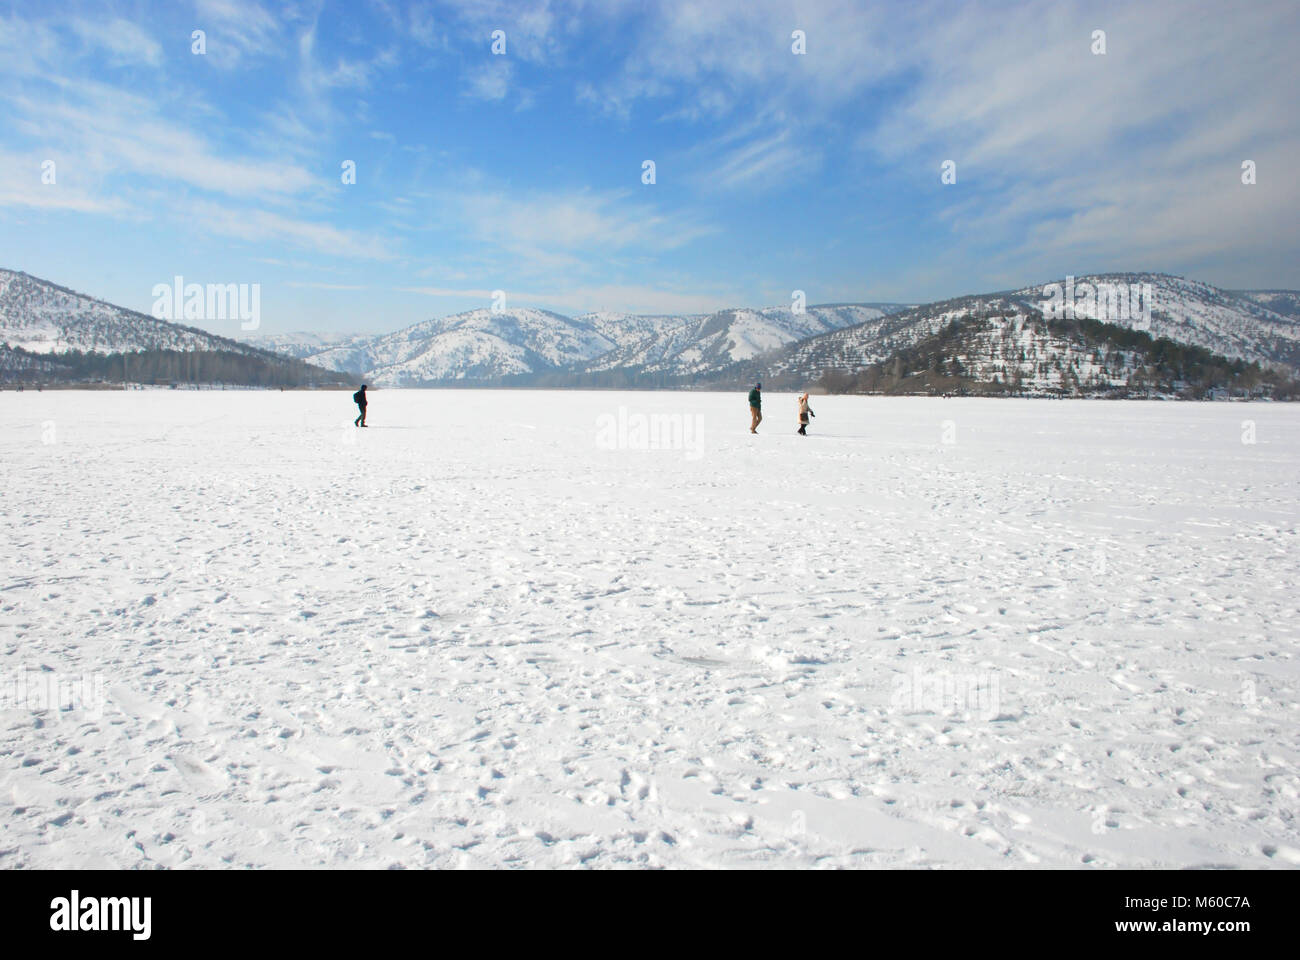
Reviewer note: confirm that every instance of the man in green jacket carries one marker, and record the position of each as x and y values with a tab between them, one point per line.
755	407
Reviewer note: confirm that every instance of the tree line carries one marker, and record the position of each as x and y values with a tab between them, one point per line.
179	367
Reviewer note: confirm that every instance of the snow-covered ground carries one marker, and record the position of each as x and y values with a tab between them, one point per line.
488	631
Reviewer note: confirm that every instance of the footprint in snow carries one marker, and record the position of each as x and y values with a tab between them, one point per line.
203	779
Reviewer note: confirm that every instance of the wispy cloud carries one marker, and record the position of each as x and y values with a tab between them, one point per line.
262	228
22	185
576	221
710	59
317	78
489	80
1129	156
775	157
238	30
125	43
534	29
625	298
119	131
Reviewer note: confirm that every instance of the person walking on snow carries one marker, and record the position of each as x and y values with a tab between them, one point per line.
359	398
805	412
755	407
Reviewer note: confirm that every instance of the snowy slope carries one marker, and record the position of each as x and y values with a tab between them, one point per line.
1020	351
1226	323
1231	324
484	345
625	329
935	633
776	344
871	341
706	345
303	345
475	345
1283	302
43	317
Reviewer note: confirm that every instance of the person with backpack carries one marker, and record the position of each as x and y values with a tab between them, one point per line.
755	407
805	412
359	398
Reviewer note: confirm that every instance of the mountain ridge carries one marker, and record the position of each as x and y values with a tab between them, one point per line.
49	332
526	346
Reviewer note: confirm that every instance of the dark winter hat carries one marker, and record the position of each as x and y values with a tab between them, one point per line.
758	386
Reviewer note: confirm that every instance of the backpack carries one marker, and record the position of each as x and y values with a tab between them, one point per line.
358	397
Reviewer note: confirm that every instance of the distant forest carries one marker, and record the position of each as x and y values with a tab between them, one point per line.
165	367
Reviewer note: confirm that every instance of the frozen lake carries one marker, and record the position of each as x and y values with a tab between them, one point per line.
492	630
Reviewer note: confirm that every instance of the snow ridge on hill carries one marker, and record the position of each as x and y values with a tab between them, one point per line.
1283	302
479	345
706	345
1232	324
302	344
494	345
42	317
1236	325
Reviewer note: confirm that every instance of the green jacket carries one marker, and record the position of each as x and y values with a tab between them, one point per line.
755	398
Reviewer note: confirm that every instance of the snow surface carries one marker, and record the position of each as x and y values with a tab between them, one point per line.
485	632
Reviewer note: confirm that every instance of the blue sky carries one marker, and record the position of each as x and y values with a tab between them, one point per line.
523	171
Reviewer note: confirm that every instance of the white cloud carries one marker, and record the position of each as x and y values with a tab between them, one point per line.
770	159
529	26
111	129
125	42
713	58
423	26
27	48
489	80
238	29
263	227
316	79
1132	156
21	186
553	228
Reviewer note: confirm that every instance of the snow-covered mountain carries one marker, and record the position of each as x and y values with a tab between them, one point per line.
302	344
1232	324
1284	302
50	334
487	345
1028	354
479	345
705	345
853	347
43	317
1021	352
625	329
775	344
